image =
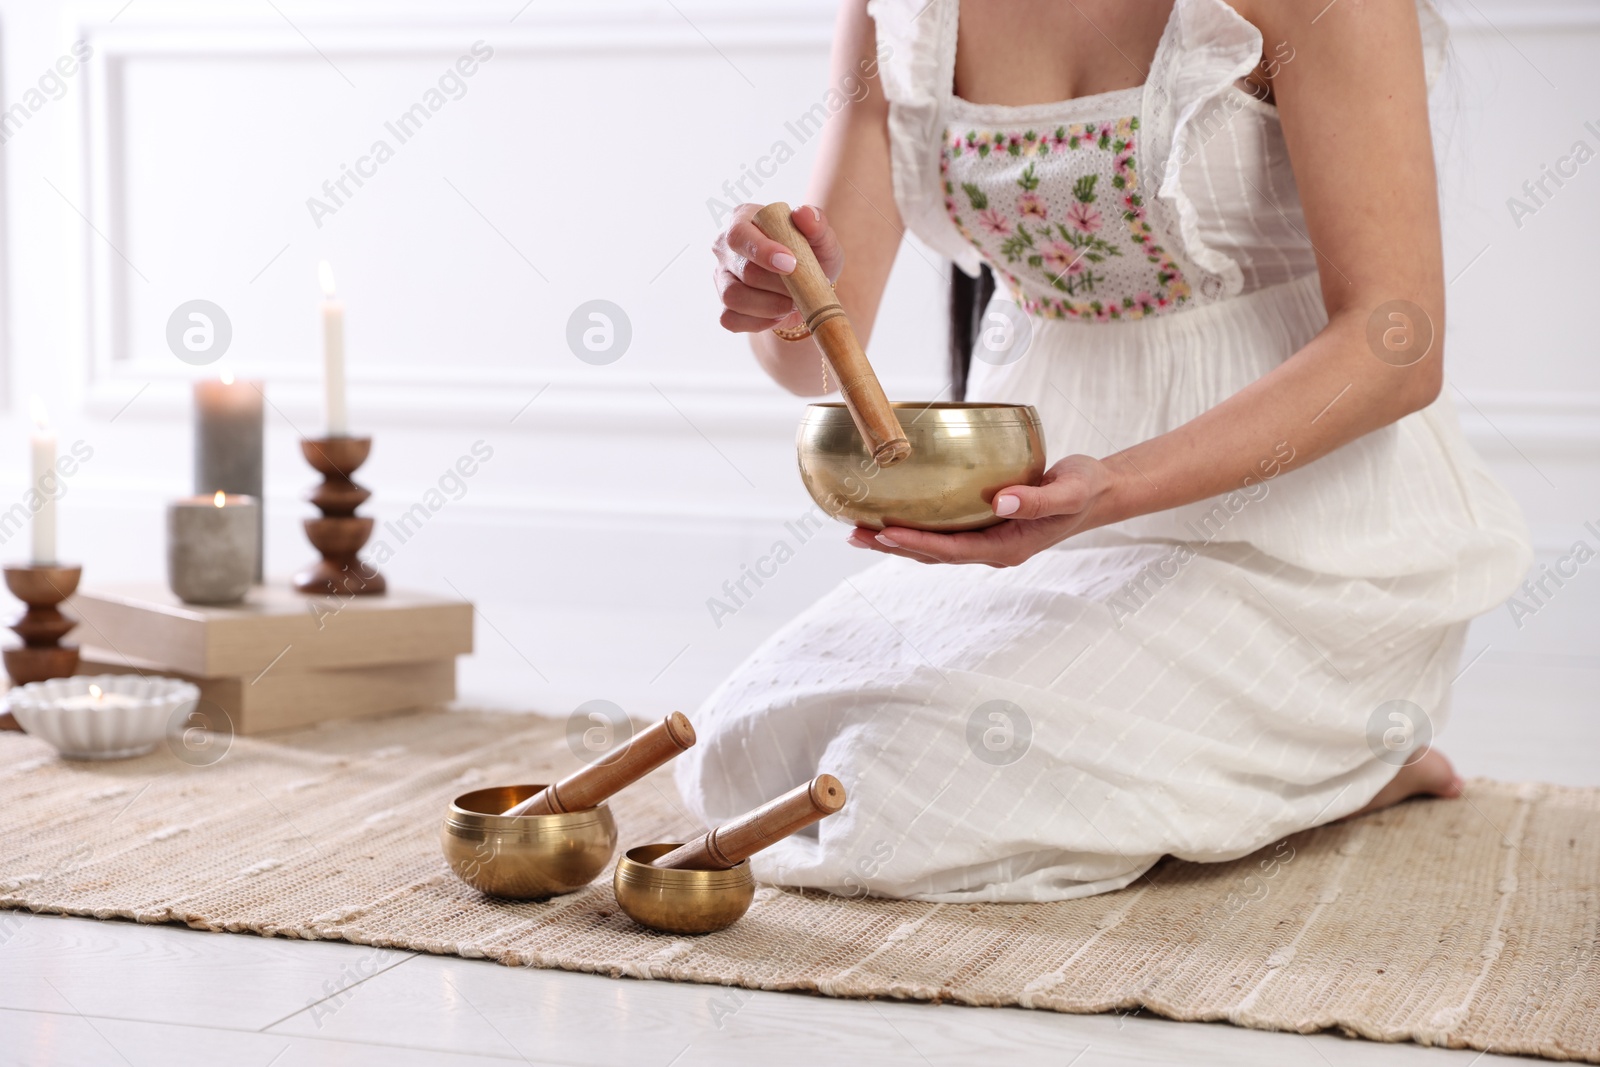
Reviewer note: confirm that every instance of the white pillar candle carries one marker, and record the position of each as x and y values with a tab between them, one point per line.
47	484
333	353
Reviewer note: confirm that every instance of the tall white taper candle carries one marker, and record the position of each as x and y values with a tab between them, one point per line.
333	353
46	482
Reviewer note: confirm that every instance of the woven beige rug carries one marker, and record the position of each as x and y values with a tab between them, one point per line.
1468	924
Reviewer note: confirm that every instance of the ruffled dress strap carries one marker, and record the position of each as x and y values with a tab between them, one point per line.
1205	50
916	67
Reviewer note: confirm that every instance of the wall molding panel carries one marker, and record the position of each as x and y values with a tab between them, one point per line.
178	33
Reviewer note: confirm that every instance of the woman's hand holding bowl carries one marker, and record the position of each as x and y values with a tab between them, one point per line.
1075	495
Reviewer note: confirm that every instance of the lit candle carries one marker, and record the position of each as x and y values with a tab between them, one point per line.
228	440
212	546
97	699
333	352
46	485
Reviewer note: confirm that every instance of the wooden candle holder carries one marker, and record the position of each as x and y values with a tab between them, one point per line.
730	844
584	789
43	625
340	532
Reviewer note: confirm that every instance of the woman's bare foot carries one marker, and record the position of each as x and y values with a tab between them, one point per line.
1430	775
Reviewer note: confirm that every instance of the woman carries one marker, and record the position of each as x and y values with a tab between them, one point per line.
1236	604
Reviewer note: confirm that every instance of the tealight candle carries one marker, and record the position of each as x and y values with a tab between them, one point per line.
96	699
212	543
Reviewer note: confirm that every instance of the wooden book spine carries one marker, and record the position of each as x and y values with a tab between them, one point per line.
734	842
583	789
830	328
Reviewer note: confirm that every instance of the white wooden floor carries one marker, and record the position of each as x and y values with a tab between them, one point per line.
78	991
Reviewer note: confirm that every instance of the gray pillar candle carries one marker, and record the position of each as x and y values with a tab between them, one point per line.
228	445
213	543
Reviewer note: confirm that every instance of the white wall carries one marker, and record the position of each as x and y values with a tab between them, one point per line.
177	164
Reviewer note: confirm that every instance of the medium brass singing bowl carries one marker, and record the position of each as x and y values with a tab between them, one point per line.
961	456
524	857
681	902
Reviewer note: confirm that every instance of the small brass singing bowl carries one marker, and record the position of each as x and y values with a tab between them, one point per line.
961	456
524	857
681	902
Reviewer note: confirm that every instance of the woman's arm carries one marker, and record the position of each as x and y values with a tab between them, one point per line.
1354	110
852	186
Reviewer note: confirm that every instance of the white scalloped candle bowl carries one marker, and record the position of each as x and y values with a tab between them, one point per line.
107	716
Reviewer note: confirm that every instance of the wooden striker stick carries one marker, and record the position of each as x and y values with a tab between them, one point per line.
830	328
647	750
734	842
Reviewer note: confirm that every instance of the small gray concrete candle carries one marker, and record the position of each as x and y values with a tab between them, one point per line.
228	443
212	546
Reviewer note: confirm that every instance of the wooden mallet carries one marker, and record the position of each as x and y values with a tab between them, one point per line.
830	328
644	752
734	842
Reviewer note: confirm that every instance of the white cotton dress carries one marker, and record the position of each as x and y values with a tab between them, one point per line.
1198	682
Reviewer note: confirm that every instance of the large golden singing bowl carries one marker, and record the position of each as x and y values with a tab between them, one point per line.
524	857
961	455
681	902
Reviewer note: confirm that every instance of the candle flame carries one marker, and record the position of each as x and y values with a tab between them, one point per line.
41	417
227	377
220	499
325	276
96	692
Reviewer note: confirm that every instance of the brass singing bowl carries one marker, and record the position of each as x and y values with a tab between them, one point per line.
961	456
681	902
524	857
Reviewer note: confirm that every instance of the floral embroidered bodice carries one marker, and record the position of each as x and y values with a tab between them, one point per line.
1143	203
1057	211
